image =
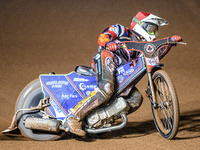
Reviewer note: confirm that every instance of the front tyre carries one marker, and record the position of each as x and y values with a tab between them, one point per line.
166	114
30	97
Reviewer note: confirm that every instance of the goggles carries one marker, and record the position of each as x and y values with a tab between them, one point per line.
151	28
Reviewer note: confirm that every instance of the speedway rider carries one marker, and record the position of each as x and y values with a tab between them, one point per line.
144	27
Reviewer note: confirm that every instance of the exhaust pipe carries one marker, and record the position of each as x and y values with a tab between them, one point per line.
43	124
53	125
109	129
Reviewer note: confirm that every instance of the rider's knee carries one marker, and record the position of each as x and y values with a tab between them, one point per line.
107	89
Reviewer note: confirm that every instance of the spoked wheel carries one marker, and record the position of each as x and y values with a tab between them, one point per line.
166	114
30	97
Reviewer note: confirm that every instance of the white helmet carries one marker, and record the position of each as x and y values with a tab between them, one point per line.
146	24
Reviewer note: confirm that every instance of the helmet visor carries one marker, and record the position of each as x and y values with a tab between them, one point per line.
151	28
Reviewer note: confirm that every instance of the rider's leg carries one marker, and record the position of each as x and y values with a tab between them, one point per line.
105	68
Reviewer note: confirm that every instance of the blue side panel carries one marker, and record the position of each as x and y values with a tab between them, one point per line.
126	74
65	91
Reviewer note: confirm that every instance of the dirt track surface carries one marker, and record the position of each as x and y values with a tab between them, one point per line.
42	36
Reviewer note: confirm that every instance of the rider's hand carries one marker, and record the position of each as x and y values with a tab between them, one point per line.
119	45
112	46
176	38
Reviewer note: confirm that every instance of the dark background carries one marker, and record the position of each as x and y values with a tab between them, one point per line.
41	36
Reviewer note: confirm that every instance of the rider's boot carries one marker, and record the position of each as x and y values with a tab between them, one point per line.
82	109
75	125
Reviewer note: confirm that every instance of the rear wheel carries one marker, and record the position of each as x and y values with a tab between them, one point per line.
30	97
166	114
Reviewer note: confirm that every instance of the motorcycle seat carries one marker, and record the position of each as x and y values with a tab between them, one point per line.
85	70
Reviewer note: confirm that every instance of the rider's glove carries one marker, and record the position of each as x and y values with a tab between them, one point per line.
176	38
112	46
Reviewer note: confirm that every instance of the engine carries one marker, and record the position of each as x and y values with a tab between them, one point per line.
104	117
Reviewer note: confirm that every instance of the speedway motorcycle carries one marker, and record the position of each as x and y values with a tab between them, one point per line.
44	104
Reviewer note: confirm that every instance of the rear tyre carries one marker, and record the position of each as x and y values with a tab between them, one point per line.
166	114
30	97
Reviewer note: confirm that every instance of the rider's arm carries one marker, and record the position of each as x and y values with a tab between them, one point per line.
111	33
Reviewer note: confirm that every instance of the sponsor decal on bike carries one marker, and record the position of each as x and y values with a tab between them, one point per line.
152	61
65	96
88	92
128	72
57	84
149	47
83	86
80	80
121	70
120	78
58	110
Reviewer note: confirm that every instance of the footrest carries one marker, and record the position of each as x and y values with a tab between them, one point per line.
42	104
11	131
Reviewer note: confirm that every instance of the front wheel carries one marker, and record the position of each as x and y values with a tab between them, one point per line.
166	114
30	97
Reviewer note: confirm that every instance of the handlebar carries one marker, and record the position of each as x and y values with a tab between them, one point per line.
149	48
182	43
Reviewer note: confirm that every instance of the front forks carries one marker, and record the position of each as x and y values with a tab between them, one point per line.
151	92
